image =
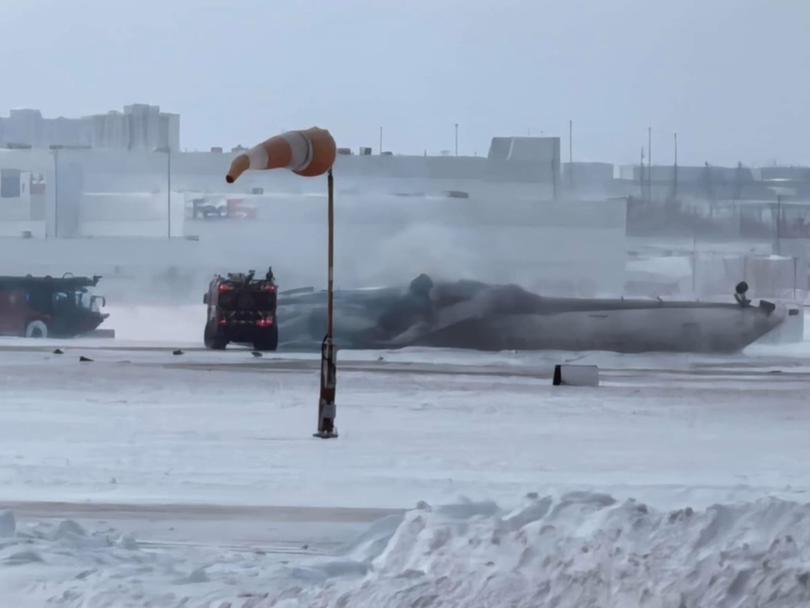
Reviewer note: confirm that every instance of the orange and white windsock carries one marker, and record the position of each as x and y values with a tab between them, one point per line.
310	152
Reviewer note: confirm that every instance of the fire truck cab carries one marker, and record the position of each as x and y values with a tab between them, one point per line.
241	309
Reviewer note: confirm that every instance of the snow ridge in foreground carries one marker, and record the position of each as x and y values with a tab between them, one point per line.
579	550
586	549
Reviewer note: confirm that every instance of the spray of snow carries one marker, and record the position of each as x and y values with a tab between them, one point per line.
180	324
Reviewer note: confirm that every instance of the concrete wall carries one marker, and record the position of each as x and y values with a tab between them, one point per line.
21	214
565	248
690	174
132	214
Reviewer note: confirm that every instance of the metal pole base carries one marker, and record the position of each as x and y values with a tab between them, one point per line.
326	404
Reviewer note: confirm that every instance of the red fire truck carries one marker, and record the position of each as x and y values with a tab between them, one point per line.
241	309
42	307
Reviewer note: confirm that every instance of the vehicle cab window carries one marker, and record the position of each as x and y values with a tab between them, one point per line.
61	299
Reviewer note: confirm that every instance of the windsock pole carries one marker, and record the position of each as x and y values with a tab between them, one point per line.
308	153
326	404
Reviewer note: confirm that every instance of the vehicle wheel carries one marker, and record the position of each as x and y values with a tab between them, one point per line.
269	342
218	344
36	329
212	340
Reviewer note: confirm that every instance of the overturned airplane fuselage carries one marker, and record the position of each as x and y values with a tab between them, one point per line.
474	315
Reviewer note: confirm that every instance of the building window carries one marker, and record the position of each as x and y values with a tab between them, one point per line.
9	183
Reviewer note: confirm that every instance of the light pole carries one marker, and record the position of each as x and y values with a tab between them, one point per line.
778	248
675	169
642	183
649	164
571	155
456	128
308	153
55	149
168	151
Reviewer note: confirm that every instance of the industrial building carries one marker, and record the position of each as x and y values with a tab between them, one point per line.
113	176
74	190
138	127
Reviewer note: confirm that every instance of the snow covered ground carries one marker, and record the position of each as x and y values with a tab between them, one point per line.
578	550
195	476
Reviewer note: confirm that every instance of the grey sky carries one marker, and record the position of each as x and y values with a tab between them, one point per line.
732	76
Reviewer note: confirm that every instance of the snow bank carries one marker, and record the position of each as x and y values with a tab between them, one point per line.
586	549
579	550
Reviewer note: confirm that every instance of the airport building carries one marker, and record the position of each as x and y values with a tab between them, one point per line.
138	127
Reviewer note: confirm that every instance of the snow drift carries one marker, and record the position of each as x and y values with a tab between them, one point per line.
583	550
578	550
